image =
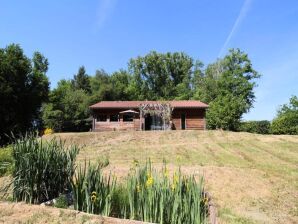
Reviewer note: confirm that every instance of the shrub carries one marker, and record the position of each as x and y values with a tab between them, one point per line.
43	169
259	127
61	202
286	121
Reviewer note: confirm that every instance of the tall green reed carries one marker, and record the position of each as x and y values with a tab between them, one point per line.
155	197
92	191
42	169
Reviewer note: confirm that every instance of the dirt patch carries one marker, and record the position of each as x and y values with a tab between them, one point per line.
24	213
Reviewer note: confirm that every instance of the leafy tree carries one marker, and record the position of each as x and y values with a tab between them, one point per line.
286	121
259	127
101	87
81	80
120	81
227	86
23	88
67	109
161	76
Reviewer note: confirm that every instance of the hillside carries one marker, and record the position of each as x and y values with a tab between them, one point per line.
253	178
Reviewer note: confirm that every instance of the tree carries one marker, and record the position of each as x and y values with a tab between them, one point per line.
286	121
81	80
227	86
23	88
120	81
68	109
159	76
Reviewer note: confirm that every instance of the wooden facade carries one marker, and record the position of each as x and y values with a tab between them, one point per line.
126	115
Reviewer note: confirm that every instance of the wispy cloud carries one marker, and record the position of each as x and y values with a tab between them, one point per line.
243	12
104	9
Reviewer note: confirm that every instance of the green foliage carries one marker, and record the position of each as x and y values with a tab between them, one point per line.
6	161
259	127
154	197
23	88
145	195
61	202
227	86
42	170
68	109
92	191
159	76
286	121
81	80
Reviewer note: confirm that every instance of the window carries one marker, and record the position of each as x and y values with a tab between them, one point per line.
101	118
128	117
114	117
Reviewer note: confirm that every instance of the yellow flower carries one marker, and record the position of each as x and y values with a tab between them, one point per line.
149	181
94	193
138	188
173	187
166	173
93	198
48	131
176	178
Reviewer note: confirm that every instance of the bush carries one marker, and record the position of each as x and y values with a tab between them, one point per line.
6	161
61	202
286	121
259	127
42	170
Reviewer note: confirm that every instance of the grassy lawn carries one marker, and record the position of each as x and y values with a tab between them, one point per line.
252	178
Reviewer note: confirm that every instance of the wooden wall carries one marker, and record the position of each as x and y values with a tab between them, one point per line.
112	125
195	119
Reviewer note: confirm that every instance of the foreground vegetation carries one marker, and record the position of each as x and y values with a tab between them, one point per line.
252	178
44	170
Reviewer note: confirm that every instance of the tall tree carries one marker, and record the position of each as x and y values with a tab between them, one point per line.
23	88
161	76
228	87
286	121
81	80
67	109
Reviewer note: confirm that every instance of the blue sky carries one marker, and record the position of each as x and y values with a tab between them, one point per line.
107	33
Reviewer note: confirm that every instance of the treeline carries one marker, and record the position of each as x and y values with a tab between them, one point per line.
227	85
286	121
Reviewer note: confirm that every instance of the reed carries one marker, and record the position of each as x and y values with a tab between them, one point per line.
92	191
42	169
155	197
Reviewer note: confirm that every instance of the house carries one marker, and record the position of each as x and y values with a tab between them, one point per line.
148	115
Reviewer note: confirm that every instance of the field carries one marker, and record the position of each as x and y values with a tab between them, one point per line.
252	178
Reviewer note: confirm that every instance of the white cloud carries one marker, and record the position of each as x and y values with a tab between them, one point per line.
243	12
104	9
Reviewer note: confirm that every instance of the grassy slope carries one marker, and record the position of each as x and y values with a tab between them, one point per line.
253	178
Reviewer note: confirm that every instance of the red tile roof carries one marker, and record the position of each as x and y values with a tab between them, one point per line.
136	104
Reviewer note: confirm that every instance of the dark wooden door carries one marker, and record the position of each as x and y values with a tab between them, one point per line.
183	121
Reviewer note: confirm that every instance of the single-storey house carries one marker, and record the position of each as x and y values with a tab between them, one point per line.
148	115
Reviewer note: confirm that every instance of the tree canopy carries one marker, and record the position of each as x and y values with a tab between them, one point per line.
286	121
226	85
23	87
